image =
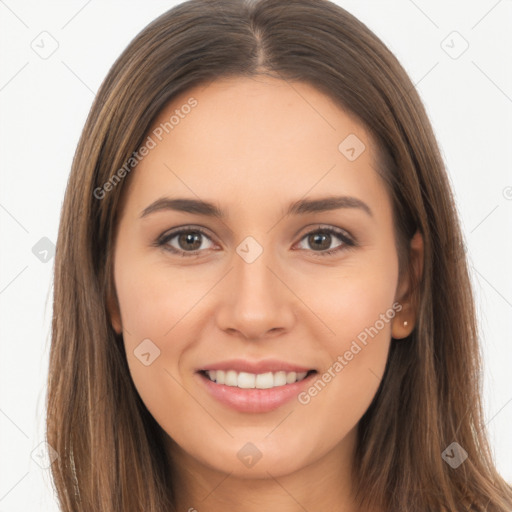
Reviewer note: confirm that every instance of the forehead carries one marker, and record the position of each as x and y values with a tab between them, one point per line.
254	139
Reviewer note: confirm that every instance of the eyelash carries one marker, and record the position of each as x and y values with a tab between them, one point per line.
348	242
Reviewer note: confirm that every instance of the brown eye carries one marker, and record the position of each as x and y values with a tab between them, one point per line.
190	240
320	241
186	242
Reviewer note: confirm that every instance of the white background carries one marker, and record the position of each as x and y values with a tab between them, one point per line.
44	103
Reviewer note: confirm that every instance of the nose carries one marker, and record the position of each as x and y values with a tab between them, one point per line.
256	302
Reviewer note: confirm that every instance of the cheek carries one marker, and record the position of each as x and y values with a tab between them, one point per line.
152	299
359	313
357	308
153	310
343	390
155	339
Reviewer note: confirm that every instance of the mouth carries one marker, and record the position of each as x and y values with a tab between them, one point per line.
246	380
254	387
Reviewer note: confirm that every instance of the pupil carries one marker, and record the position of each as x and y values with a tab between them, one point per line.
318	238
188	239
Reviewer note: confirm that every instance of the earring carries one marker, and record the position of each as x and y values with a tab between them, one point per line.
405	323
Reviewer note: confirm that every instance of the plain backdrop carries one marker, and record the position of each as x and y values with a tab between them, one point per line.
459	55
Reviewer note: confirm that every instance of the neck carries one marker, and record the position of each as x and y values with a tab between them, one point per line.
325	484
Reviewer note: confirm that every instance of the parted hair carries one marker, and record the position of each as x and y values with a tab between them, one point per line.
111	450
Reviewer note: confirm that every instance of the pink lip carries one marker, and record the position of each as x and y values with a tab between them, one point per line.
254	400
263	366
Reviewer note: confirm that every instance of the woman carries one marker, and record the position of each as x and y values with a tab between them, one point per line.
257	370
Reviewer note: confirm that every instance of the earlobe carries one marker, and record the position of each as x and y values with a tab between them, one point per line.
405	321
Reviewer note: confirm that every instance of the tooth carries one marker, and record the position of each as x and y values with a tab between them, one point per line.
246	380
265	380
291	377
231	378
220	377
279	378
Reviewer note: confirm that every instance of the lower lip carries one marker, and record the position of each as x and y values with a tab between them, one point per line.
254	400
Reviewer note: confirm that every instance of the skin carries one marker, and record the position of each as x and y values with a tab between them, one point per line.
252	146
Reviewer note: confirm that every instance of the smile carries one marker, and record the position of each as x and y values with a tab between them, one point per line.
245	380
254	387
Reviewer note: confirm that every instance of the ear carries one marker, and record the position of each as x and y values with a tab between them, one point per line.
407	291
114	313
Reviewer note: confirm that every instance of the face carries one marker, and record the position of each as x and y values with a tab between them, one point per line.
257	338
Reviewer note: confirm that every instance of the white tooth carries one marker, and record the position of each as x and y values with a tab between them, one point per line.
265	380
246	380
220	377
231	378
291	377
279	378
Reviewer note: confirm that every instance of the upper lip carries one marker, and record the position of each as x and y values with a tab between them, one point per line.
262	366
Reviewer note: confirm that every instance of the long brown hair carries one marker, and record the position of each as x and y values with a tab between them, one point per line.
111	455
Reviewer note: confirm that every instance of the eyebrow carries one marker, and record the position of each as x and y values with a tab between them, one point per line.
300	207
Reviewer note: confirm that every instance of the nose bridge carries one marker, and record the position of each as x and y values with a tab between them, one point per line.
256	300
253	279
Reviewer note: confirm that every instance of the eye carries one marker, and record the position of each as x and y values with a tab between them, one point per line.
322	238
189	241
186	238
